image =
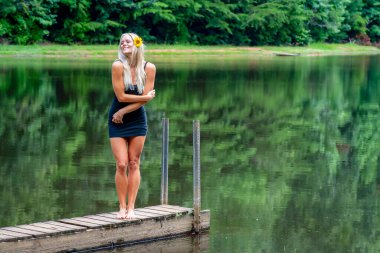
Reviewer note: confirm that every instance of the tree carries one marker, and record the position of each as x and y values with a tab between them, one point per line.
277	22
325	18
26	22
206	22
371	12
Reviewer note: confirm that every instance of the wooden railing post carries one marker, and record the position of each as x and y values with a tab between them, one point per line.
165	157
196	175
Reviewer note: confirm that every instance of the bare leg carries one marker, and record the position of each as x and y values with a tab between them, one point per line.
135	148
120	151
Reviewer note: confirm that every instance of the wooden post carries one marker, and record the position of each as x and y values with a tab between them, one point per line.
196	175
165	156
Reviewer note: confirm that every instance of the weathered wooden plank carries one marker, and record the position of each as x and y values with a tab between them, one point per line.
105	218
140	214
15	234
56	226
6	237
65	225
205	219
79	223
23	231
146	214
179	208
38	229
114	215
48	226
162	209
35	230
96	222
165	209
163	213
156	215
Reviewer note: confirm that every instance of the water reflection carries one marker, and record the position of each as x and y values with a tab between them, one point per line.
290	147
188	244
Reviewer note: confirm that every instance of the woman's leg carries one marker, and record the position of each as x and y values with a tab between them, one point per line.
120	151
135	148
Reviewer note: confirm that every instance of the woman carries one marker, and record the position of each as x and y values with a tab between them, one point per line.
133	83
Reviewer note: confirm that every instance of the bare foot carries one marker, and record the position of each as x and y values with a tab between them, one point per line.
122	214
130	215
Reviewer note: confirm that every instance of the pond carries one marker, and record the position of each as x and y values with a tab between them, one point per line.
290	146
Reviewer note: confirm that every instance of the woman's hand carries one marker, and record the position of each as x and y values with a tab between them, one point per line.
117	117
151	94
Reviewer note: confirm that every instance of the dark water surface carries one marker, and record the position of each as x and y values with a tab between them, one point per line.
290	146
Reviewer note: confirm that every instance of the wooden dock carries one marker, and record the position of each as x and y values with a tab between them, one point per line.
102	230
91	232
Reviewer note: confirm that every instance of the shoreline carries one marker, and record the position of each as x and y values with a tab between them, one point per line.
109	51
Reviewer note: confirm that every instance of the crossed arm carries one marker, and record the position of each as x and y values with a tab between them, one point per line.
136	100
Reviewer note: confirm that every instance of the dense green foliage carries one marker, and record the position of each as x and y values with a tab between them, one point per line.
246	22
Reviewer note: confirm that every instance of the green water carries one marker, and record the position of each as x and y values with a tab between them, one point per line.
290	147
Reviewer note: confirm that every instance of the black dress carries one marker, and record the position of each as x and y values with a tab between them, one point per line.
134	123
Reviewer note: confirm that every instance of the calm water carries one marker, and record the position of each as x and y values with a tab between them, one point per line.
290	146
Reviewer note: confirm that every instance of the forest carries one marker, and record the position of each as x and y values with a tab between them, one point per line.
200	22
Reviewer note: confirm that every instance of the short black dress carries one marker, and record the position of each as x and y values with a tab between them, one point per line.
134	123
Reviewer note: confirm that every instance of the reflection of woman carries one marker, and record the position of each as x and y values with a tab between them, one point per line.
133	83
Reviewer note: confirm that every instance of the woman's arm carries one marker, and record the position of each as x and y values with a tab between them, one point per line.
150	71
118	86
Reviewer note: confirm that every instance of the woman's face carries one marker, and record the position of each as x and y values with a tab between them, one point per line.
126	45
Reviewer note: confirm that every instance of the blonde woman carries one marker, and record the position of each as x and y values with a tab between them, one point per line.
133	84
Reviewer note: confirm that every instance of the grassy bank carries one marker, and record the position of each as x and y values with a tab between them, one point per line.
109	51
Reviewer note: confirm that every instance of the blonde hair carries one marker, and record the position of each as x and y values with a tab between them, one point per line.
136	60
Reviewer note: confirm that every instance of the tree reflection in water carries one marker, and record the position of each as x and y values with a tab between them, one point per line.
290	146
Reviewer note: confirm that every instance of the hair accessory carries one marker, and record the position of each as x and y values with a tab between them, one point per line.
137	41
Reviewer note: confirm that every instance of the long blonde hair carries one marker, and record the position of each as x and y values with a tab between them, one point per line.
136	61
